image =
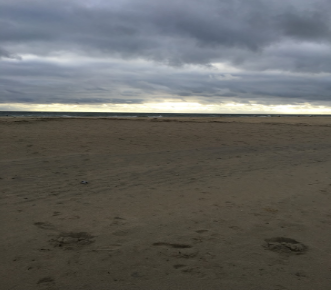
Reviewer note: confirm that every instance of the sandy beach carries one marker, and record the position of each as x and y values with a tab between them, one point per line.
187	203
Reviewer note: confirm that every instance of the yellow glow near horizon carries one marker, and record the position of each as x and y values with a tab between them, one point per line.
174	107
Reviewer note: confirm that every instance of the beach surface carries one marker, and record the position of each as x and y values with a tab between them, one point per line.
157	203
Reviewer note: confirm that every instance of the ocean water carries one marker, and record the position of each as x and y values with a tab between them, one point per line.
137	115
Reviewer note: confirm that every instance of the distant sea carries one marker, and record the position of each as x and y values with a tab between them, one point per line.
136	115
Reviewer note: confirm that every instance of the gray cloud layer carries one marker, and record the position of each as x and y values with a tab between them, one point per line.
175	32
126	83
253	35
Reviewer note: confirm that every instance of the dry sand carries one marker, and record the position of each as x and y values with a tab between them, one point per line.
169	204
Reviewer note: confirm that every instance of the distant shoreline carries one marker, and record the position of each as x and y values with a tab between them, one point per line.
146	115
300	121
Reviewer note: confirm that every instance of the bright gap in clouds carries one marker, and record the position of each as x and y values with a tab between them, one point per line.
174	107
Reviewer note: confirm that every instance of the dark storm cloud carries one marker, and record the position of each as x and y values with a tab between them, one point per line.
173	32
308	26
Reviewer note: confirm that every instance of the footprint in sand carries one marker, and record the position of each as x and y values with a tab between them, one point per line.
44	225
179	266
45	280
72	240
175	250
285	246
201	231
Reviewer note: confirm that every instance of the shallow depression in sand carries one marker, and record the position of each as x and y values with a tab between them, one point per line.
285	245
72	239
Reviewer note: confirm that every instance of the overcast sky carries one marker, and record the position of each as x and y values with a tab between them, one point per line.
131	53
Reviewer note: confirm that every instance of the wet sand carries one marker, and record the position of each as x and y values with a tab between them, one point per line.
214	203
